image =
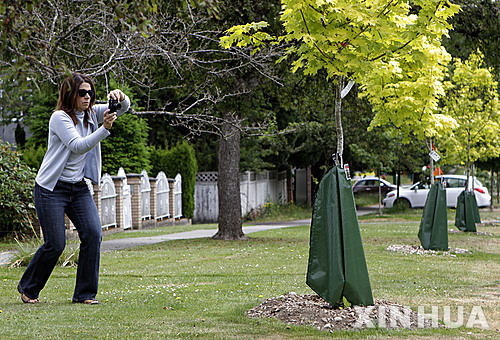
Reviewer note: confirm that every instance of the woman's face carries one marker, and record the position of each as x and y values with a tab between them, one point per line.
82	103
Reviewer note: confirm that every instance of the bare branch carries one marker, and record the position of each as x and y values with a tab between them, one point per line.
82	36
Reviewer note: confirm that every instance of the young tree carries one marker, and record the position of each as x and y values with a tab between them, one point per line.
472	100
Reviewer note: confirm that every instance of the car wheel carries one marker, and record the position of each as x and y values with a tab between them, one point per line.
402	203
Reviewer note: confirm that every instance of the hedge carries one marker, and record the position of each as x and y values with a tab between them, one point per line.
179	159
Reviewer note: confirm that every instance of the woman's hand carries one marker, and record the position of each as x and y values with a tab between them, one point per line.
109	118
116	94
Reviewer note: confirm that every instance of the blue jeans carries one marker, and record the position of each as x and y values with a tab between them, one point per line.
76	202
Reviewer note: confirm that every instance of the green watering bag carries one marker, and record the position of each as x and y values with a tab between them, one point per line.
337	265
467	212
433	232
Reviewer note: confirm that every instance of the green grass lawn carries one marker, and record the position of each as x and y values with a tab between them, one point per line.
203	288
363	200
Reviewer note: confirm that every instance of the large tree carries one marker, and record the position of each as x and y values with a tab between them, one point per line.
45	40
166	50
217	97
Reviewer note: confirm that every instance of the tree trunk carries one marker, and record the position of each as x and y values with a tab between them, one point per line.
498	187
228	183
428	142
398	180
338	122
468	162
379	193
289	185
492	184
309	186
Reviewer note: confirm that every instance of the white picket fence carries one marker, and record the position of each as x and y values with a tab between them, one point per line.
136	201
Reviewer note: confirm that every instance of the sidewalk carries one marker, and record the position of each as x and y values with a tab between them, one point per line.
124	243
206	233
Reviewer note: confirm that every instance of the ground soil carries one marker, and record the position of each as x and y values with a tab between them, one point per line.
314	311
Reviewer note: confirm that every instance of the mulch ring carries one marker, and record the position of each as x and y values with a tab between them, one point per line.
312	310
409	249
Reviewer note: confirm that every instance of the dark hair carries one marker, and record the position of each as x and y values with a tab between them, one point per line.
68	96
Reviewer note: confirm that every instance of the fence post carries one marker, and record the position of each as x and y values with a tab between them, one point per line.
118	182
134	180
171	198
152	198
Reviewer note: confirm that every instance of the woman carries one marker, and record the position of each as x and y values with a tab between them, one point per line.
73	153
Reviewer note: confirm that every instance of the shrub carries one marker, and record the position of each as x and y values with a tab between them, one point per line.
33	155
42	103
180	159
16	191
400	206
126	146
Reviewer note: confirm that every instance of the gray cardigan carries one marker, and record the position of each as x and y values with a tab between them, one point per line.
64	139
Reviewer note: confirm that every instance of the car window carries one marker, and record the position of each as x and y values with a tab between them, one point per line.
419	186
455	183
451	182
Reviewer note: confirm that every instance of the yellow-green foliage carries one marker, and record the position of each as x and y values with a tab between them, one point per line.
472	100
393	50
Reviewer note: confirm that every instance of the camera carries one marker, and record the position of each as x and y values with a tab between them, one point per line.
113	105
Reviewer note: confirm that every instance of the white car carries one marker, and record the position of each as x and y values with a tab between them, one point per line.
416	195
